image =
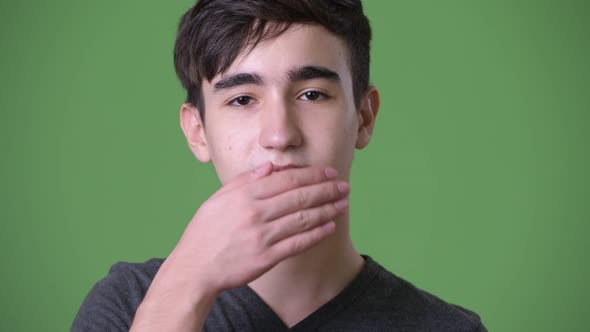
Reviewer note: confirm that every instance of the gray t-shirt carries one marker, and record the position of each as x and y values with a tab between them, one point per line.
376	300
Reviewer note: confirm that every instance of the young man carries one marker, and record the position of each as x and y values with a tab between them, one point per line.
278	100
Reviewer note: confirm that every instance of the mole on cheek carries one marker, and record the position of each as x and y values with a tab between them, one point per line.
229	147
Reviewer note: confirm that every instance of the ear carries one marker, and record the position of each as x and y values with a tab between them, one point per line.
367	114
194	131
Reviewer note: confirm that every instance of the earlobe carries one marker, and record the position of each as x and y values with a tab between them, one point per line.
194	131
367	114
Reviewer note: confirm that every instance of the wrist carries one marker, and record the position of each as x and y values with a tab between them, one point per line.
179	281
175	301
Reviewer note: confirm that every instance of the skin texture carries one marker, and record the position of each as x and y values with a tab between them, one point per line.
280	125
268	227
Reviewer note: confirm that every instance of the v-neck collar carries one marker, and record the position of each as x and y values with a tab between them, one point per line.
325	312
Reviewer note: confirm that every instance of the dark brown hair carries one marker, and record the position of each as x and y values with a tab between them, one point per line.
212	33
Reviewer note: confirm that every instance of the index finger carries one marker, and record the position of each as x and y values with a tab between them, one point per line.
280	182
245	177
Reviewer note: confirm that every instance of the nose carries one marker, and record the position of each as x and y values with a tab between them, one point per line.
279	128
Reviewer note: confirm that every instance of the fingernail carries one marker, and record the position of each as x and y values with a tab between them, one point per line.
329	226
331	173
341	204
344	187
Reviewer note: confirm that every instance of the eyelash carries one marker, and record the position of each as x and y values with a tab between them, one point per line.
234	101
322	96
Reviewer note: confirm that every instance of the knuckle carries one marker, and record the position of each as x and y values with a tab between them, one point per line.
252	214
298	245
269	237
260	240
331	211
326	212
289	178
303	220
301	199
317	235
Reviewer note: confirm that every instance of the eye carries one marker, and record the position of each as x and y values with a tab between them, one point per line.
241	101
313	95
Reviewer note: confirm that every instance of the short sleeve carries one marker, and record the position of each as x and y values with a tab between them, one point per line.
112	302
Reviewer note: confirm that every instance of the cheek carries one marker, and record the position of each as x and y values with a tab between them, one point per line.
225	142
345	126
230	152
348	142
336	137
238	142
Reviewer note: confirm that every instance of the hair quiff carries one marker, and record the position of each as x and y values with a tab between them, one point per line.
212	33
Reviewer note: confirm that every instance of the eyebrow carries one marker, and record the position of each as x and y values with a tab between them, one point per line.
295	75
237	80
312	72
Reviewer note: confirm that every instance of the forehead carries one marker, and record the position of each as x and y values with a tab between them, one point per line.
301	45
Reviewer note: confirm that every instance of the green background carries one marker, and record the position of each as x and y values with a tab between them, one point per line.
475	186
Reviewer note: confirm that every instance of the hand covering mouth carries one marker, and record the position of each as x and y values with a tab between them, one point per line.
277	168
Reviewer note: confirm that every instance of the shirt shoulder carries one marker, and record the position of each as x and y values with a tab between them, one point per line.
400	303
111	303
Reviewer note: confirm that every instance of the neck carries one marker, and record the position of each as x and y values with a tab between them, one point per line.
313	277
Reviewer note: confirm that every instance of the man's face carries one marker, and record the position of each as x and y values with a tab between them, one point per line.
289	101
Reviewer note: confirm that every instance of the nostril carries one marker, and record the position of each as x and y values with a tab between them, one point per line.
279	128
